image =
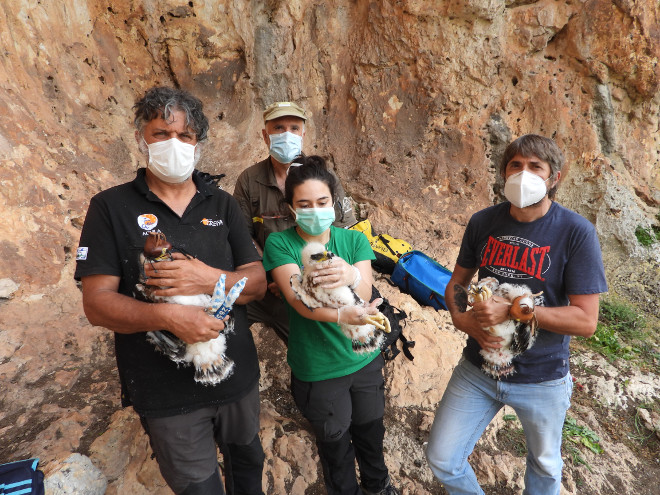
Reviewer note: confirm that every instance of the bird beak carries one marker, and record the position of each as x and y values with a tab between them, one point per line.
324	256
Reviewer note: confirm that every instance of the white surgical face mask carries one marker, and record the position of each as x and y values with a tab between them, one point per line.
525	189
171	161
285	147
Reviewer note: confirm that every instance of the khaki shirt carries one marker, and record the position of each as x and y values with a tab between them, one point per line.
264	208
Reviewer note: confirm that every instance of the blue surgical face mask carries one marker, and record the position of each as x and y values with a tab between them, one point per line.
315	221
285	147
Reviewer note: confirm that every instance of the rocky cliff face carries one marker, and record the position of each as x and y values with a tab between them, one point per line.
413	101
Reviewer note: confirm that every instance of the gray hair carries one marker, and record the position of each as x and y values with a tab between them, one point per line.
161	101
541	147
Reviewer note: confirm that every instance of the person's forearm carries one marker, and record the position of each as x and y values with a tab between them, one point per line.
105	307
255	287
566	320
462	320
329	315
124	314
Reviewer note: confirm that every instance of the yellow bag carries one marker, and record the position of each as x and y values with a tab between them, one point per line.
387	249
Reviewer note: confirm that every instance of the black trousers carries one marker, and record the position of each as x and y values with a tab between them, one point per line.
346	415
185	448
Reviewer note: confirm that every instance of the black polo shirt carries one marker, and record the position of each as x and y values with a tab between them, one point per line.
212	229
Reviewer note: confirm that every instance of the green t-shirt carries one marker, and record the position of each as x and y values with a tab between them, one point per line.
319	350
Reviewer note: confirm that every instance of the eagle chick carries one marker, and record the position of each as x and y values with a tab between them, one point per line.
211	364
518	332
365	338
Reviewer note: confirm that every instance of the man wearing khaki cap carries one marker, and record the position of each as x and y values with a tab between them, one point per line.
260	193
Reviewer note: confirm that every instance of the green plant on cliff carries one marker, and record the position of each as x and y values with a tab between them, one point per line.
622	333
575	436
647	237
642	433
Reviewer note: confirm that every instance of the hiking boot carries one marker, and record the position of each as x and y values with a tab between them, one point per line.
388	490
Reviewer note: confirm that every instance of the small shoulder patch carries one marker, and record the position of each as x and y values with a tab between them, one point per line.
81	253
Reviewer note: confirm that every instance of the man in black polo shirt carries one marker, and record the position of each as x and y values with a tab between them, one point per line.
184	419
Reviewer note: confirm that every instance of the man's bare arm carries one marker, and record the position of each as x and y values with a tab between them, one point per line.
579	319
106	307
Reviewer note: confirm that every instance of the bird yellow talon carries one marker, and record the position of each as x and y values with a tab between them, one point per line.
379	321
481	291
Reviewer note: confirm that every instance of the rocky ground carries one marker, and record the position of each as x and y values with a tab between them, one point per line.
608	399
617	400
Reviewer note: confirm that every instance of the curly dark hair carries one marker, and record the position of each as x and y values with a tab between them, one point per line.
311	168
161	101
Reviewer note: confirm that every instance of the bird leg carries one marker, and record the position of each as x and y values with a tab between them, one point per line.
380	321
522	307
478	294
222	303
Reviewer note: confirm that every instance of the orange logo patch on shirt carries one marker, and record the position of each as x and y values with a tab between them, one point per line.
147	221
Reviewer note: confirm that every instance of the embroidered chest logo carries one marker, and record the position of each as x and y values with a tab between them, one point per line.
147	221
515	257
211	223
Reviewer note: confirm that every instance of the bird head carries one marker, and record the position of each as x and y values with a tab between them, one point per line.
314	253
156	247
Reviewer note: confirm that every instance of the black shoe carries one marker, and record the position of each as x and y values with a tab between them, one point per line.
388	490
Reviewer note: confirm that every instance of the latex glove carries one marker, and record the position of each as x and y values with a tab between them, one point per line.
355	315
336	273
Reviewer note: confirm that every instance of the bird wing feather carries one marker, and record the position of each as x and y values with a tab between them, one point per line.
305	292
296	284
523	338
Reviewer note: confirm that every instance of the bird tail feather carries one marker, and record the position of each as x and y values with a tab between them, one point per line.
372	342
216	372
498	371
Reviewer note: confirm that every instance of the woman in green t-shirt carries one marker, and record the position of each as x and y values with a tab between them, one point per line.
339	391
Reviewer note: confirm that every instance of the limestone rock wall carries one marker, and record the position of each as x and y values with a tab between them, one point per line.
413	102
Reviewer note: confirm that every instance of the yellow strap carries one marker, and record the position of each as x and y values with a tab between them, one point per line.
257	219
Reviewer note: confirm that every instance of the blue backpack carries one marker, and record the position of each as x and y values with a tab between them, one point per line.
21	478
423	278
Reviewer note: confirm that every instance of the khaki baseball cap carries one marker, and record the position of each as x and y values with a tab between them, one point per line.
283	109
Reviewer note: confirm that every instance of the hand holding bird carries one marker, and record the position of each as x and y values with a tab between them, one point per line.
360	322
206	344
506	315
335	272
491	311
192	324
181	275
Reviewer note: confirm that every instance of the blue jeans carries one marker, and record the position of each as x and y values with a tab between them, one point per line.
470	402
